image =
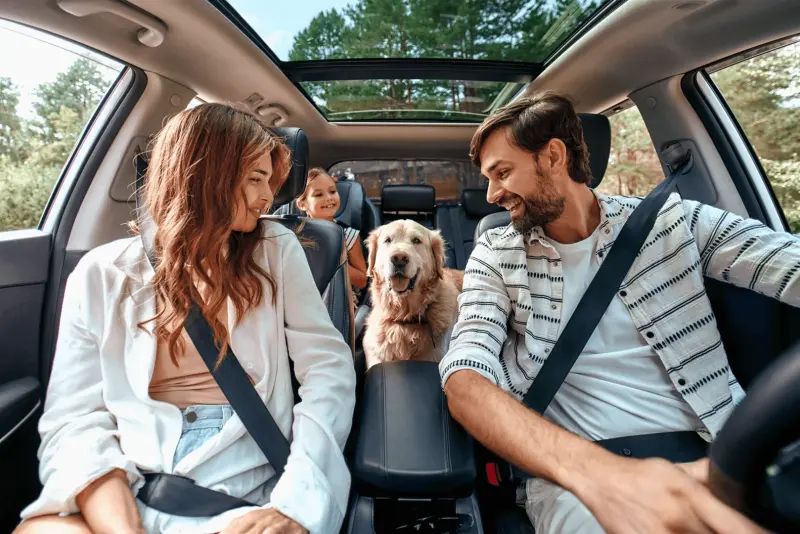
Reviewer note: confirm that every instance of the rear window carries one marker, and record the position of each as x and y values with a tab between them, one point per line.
449	178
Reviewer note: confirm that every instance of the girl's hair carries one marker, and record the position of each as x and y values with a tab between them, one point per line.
198	164
313	174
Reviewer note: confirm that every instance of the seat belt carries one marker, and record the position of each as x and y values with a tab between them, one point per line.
590	310
179	495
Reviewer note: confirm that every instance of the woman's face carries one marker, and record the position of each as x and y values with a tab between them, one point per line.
257	196
322	198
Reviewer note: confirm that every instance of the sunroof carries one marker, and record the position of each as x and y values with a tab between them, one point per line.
413	100
306	36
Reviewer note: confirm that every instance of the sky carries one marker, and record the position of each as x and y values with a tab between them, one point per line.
278	24
31	58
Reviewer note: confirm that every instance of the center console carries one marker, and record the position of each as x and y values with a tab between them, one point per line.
414	466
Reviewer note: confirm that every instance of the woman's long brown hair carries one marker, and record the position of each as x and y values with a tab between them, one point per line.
198	164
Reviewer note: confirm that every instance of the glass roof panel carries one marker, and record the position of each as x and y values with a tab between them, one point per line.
510	30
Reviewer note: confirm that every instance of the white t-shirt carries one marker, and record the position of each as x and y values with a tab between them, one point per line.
618	386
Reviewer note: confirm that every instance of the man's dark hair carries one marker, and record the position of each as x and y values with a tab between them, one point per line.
534	121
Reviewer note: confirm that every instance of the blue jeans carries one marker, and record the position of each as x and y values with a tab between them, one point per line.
200	423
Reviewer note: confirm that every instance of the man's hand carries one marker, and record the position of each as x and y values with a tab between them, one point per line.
654	496
264	521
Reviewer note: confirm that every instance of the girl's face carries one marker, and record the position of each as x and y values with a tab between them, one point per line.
257	196
322	198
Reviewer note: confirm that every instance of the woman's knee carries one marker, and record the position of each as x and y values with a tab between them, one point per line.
71	524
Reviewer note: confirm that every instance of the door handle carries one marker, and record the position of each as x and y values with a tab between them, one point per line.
152	31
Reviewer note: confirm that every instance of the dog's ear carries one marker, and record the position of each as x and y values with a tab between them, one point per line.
437	246
372	247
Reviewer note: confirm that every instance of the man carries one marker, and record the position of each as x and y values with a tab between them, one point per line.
655	362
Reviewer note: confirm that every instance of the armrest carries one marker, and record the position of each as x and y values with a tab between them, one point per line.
408	445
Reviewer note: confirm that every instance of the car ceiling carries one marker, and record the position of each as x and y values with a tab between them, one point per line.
635	45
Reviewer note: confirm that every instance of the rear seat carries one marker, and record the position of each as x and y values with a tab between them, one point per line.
415	202
458	223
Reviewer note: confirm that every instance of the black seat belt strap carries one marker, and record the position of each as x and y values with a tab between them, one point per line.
587	315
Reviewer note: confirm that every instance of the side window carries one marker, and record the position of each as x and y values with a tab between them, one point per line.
49	90
447	177
633	165
763	93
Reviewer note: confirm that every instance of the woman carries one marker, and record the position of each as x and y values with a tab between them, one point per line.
130	394
320	200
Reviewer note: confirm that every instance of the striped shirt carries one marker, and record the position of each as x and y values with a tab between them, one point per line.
510	307
351	236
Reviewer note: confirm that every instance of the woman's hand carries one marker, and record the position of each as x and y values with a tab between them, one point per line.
264	521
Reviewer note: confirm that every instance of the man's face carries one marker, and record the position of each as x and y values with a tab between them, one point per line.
518	183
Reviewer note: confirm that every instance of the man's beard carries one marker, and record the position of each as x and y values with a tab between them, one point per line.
537	211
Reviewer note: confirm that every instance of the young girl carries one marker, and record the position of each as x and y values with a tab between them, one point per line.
320	200
129	392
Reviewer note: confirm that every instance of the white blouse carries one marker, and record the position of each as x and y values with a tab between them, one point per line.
98	414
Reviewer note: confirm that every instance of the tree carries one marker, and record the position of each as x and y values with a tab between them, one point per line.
633	166
64	106
460	29
763	94
9	121
32	152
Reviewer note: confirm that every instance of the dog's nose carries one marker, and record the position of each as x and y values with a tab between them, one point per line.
400	259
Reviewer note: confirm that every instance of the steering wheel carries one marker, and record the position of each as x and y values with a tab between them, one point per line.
743	465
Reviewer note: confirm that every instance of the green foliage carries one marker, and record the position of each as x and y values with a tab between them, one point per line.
32	152
785	179
460	29
633	166
24	192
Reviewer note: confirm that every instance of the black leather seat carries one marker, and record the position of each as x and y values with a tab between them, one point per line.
458	223
356	210
416	202
327	257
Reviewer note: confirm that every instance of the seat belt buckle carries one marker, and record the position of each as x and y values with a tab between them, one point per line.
493	476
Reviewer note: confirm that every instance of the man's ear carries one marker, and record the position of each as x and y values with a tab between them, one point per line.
557	156
372	248
437	247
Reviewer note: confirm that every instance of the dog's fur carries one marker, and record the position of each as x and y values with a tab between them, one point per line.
408	324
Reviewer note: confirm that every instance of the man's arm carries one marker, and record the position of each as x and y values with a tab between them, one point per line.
745	252
626	496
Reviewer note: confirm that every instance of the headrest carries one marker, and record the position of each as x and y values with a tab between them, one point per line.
418	197
297	142
597	135
351	202
475	204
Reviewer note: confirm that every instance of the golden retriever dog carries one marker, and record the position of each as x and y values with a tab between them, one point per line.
414	298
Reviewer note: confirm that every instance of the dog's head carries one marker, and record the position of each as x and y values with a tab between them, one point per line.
404	253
